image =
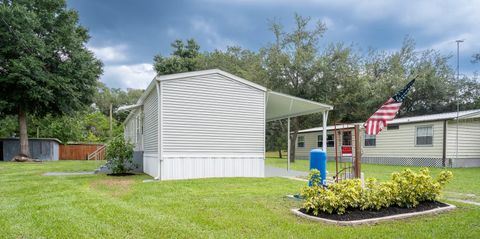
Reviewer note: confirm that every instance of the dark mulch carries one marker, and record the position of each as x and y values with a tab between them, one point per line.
120	174
357	214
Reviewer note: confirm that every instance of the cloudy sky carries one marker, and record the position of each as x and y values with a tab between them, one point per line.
127	34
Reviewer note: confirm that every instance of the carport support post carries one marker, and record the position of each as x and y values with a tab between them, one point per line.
324	135
288	143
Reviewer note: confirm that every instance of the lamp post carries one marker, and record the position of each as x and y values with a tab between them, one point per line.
457	94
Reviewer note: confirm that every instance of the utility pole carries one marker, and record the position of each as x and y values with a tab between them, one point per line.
457	94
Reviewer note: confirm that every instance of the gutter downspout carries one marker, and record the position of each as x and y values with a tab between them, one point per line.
159	126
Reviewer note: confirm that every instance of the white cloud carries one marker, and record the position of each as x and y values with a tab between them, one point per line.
444	21
329	23
110	53
136	76
211	35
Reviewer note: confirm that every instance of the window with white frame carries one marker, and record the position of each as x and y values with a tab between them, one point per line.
301	141
138	129
424	135
330	141
370	140
139	125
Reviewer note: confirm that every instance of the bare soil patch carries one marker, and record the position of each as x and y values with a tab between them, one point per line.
115	186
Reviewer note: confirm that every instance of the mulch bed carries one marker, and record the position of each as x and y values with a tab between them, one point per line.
357	214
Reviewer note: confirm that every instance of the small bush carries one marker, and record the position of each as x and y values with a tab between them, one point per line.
405	189
120	155
335	198
413	188
377	195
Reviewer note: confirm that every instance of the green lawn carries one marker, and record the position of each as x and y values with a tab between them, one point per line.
92	206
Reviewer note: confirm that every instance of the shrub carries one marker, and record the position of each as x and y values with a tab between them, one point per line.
377	195
335	198
405	189
413	188
120	155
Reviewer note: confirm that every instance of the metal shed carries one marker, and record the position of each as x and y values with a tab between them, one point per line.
40	148
207	124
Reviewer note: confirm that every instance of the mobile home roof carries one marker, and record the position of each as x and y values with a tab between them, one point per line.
414	119
278	105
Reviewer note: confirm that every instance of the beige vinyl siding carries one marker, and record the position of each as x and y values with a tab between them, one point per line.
401	142
468	139
389	143
212	114
150	128
311	142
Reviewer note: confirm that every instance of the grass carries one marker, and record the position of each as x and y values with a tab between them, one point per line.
93	206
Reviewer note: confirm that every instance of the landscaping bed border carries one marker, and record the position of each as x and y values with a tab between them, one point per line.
298	213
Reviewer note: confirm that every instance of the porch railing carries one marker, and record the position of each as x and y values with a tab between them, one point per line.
98	154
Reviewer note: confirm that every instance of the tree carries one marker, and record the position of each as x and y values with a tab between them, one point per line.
116	97
97	127
8	126
434	90
184	58
276	139
45	66
476	58
187	57
66	128
293	64
235	60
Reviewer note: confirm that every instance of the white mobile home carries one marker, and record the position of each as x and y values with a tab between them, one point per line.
429	140
207	124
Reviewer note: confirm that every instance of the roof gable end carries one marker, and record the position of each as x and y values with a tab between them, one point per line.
209	72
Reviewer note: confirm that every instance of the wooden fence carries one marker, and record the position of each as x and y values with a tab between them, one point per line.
77	151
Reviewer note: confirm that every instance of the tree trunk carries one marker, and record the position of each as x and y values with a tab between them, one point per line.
280	152
22	122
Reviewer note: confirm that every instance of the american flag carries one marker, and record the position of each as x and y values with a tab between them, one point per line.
387	112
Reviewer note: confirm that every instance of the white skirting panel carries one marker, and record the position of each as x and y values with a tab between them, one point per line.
186	167
150	164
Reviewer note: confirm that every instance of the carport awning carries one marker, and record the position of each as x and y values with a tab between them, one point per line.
281	106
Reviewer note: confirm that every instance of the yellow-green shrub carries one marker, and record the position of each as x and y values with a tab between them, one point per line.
413	188
405	189
377	195
335	198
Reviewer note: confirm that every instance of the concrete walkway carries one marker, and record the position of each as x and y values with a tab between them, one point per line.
282	172
68	173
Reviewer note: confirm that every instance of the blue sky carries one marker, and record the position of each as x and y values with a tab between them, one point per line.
127	34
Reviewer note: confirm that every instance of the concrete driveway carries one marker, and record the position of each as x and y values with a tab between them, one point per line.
282	172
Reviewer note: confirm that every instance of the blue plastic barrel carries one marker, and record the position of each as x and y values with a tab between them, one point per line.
318	160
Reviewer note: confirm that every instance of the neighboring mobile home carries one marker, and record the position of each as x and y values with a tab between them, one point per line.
207	124
429	140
